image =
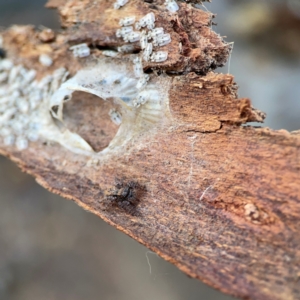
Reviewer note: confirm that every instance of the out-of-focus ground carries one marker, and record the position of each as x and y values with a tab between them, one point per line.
266	56
52	249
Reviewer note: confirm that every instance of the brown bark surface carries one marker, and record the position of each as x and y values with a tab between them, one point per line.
219	200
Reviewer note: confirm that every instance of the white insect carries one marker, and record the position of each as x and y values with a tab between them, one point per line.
124	31
126	49
138	67
147	52
21	143
162	40
3	92
143	41
137	60
35	99
142	81
148	20
23	105
6	65
17	126
4	131
80	50
127	21
7	115
29	76
149	48
4	100
16	94
119	3
9	140
32	136
132	37
159	56
171	5
44	82
115	116
3	77
14	73
155	32
151	21
141	99
110	53
45	60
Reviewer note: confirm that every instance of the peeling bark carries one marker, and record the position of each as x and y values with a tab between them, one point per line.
219	200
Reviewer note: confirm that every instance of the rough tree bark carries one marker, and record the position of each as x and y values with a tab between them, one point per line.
219	200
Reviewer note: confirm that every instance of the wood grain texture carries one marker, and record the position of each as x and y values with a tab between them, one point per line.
218	199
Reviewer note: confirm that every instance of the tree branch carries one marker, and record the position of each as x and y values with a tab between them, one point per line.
219	200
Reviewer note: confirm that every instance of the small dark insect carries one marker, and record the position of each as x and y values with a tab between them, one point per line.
2	53
126	195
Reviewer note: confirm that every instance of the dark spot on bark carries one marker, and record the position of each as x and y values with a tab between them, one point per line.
126	196
55	109
2	53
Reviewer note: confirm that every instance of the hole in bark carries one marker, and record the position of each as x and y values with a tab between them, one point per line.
103	48
88	116
55	109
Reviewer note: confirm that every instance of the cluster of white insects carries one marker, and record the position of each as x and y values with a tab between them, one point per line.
142	80
23	107
25	103
149	36
154	37
131	31
127	88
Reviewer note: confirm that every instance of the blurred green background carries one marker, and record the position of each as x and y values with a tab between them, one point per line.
52	249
